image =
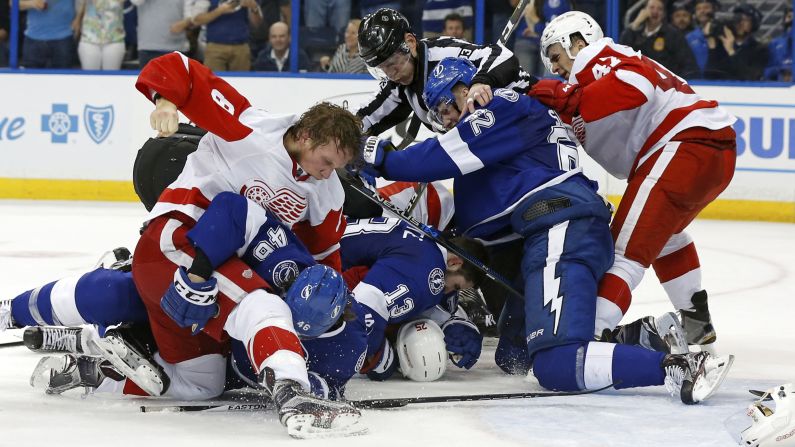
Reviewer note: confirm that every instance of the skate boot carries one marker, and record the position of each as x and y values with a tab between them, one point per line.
698	322
56	374
117	259
663	334
695	376
6	321
132	358
59	339
307	416
473	303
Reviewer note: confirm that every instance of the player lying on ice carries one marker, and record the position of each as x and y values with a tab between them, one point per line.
374	250
516	180
643	123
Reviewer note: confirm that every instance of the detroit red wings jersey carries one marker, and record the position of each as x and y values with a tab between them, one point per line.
631	106
435	206
243	152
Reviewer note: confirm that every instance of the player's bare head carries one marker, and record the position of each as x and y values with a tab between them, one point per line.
461	274
327	138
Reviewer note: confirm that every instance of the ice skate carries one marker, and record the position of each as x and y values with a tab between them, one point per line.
695	376
6	322
663	334
73	340
307	416
697	321
133	359
119	258
56	374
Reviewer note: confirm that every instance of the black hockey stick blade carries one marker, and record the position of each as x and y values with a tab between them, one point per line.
402	402
516	16
430	232
760	393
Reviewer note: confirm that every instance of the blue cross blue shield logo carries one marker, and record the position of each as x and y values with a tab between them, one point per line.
59	123
99	122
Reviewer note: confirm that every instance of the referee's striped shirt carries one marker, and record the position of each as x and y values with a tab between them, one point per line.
393	103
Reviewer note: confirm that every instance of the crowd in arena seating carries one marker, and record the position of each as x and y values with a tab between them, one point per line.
699	39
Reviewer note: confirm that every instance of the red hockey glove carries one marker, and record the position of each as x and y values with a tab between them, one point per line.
559	96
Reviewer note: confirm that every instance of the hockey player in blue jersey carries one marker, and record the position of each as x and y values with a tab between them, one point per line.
517	180
400	274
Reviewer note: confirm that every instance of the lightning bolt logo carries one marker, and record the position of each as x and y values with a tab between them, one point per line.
552	296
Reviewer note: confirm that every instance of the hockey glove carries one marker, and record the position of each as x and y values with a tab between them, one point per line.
559	96
463	342
190	304
386	366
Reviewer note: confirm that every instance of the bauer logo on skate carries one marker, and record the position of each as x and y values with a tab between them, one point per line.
286	204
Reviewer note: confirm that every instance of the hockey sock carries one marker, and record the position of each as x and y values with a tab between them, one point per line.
103	297
593	365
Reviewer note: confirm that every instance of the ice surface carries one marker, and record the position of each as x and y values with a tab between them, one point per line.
749	271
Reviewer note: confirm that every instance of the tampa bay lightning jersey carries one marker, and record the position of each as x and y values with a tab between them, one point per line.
336	356
234	225
405	276
497	156
340	353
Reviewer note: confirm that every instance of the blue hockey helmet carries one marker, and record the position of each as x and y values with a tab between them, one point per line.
438	91
317	300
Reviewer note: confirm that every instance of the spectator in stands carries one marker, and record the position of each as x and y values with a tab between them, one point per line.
276	55
50	33
228	24
529	29
682	16
435	11
4	32
272	11
454	26
747	56
658	40
346	59
710	55
779	65
161	28
101	44
327	14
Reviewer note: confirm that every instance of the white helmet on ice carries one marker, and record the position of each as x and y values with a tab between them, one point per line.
560	29
762	426
421	350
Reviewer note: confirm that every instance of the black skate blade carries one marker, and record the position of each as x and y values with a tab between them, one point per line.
760	393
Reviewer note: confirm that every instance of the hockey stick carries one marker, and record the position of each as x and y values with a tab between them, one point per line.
11	344
375	404
761	394
432	233
513	21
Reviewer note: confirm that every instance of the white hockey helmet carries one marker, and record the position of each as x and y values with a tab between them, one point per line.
560	29
421	350
762	426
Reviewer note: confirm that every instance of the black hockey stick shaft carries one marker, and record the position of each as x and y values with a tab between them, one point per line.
433	234
372	403
513	21
402	402
11	344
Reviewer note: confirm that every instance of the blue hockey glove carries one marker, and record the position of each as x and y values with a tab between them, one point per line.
463	341
190	304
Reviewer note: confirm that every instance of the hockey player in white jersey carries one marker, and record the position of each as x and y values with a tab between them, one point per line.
676	150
